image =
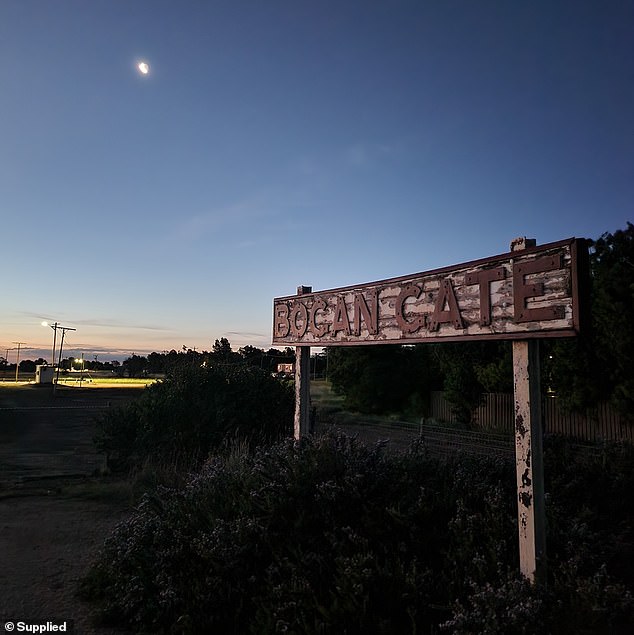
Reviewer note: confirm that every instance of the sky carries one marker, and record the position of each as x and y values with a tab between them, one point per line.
289	142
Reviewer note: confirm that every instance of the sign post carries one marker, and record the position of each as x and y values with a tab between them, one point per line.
529	461
301	424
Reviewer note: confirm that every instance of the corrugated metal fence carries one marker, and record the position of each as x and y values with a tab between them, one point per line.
496	413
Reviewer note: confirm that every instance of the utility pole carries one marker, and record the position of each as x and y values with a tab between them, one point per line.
81	370
61	348
54	327
17	361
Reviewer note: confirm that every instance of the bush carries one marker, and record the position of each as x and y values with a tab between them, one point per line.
330	536
179	420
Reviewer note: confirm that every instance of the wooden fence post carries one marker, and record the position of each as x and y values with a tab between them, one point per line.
302	385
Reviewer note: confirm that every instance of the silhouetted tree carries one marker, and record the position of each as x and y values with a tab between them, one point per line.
221	352
252	355
135	365
599	365
382	379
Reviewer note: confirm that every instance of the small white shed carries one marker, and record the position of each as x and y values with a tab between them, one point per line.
44	374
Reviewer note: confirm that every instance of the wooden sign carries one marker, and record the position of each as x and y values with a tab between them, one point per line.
529	293
519	295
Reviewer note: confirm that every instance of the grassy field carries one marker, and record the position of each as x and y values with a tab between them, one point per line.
323	396
108	382
331	413
76	381
48	435
331	408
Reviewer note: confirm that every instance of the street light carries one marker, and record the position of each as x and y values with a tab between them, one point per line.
63	329
81	370
54	327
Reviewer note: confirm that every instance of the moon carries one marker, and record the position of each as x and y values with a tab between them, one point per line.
144	68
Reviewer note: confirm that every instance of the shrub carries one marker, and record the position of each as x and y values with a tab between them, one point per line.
330	536
178	420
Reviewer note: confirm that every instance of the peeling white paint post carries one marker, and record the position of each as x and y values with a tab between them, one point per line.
529	462
302	381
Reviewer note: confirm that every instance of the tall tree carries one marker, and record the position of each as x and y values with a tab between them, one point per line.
458	363
252	355
382	379
599	366
613	283
135	365
221	352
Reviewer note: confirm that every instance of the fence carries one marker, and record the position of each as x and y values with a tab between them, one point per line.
497	413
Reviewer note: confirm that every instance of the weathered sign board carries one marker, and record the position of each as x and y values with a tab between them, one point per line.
518	295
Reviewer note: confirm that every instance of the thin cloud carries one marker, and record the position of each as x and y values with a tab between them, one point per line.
362	155
239	339
118	324
213	221
97	322
245	334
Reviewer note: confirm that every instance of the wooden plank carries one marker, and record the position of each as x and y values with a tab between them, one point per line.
518	295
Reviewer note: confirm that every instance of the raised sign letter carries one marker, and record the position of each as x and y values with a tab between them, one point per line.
299	310
317	331
282	325
484	279
341	321
440	316
370	315
409	291
523	291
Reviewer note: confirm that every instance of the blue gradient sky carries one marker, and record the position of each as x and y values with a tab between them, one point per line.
290	142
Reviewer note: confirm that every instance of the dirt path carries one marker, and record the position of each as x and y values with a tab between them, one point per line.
52	525
46	545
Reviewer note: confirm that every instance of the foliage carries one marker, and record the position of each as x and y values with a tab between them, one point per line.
598	366
471	368
494	371
193	410
29	366
382	379
462	389
221	353
386	379
136	365
570	369
329	536
613	312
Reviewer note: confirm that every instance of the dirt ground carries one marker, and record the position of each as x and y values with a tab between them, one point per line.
47	543
51	527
